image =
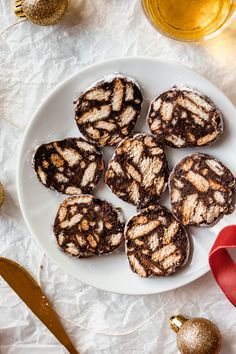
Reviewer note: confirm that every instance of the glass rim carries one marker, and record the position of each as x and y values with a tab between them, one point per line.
200	39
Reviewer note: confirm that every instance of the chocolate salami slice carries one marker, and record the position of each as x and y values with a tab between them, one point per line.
69	166
86	226
138	171
156	243
201	190
107	112
184	118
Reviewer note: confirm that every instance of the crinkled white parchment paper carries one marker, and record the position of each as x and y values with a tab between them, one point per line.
33	60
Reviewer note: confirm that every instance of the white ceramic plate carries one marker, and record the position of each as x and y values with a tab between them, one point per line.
54	120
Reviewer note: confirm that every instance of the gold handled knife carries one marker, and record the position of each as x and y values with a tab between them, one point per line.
30	292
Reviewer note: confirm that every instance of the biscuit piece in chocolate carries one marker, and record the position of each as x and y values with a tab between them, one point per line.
70	166
107	112
138	171
184	118
87	226
156	243
201	190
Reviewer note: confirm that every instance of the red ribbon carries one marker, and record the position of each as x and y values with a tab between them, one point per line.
222	265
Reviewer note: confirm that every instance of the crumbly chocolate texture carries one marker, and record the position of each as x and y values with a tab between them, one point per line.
70	166
138	172
107	112
184	118
156	243
86	226
201	190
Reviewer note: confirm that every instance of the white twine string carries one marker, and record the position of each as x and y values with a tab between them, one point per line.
1	33
12	25
11	122
104	332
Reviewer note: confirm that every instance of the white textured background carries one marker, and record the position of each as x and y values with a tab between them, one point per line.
33	60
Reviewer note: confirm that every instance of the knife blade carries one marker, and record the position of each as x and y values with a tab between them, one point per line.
32	295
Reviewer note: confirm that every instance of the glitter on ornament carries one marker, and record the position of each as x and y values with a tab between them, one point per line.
41	12
196	336
1	194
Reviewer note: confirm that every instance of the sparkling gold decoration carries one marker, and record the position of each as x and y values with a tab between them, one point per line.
1	194
41	12
196	336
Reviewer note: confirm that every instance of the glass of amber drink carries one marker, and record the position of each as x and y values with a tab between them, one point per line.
189	20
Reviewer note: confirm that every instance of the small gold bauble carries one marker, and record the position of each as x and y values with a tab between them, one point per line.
41	12
1	194
196	336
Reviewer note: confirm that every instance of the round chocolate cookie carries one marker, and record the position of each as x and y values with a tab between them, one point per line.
184	118
86	226
201	190
69	166
156	243
138	172
107	112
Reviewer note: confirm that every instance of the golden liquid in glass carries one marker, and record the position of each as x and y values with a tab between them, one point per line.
189	19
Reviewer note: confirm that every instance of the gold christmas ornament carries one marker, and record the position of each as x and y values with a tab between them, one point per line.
41	12
1	194
196	336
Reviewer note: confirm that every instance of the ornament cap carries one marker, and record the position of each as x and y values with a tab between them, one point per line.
18	8
176	322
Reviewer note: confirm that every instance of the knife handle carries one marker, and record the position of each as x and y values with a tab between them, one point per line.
30	292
